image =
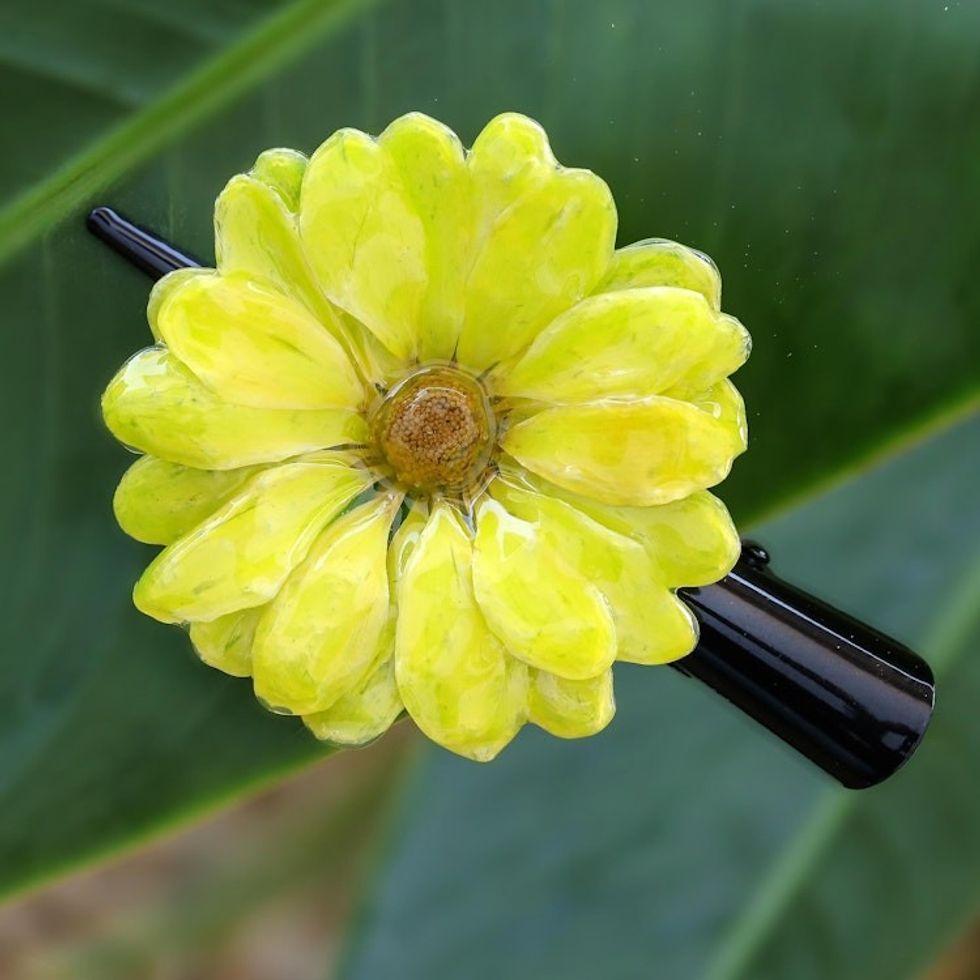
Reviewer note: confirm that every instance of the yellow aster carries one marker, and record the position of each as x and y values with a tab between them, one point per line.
425	441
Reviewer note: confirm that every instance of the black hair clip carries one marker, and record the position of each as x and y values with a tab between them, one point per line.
847	697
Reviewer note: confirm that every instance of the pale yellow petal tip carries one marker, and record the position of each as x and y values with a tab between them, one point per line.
571	709
282	169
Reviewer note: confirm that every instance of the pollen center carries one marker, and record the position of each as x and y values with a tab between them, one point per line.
436	429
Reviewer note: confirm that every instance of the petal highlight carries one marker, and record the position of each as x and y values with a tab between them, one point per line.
241	555
455	678
156	405
320	636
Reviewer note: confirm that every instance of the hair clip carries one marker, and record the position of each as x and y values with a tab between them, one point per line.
374	498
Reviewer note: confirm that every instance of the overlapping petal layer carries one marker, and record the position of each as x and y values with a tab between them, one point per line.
544	238
241	555
651	624
254	346
158	502
455	677
156	405
542	608
322	633
642	452
629	344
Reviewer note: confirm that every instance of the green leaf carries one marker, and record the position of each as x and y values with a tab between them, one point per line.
684	842
816	151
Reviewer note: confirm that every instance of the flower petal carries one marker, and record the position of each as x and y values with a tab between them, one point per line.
659	262
430	159
256	234
226	642
692	541
632	343
241	555
643	452
319	637
254	346
282	169
164	288
544	611
156	405
571	709
652	626
158	502
364	713
544	238
455	678
363	238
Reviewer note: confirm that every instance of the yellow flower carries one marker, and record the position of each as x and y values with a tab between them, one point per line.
425	440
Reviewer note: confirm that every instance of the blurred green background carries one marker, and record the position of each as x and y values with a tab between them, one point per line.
826	153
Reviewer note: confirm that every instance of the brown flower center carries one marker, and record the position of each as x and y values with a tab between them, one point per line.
436	429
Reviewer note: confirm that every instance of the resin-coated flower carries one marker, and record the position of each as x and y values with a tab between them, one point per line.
424	440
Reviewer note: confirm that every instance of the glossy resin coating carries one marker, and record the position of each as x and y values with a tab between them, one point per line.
477	556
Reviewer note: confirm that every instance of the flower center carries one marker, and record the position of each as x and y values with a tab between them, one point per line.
436	429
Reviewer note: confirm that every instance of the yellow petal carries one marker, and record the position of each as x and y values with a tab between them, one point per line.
652	626
226	642
643	452
544	611
510	157
430	160
282	169
257	235
254	346
158	502
692	541
319	637
571	709
364	239
659	262
156	405
241	555
632	343
454	676
364	713
162	290
544	238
